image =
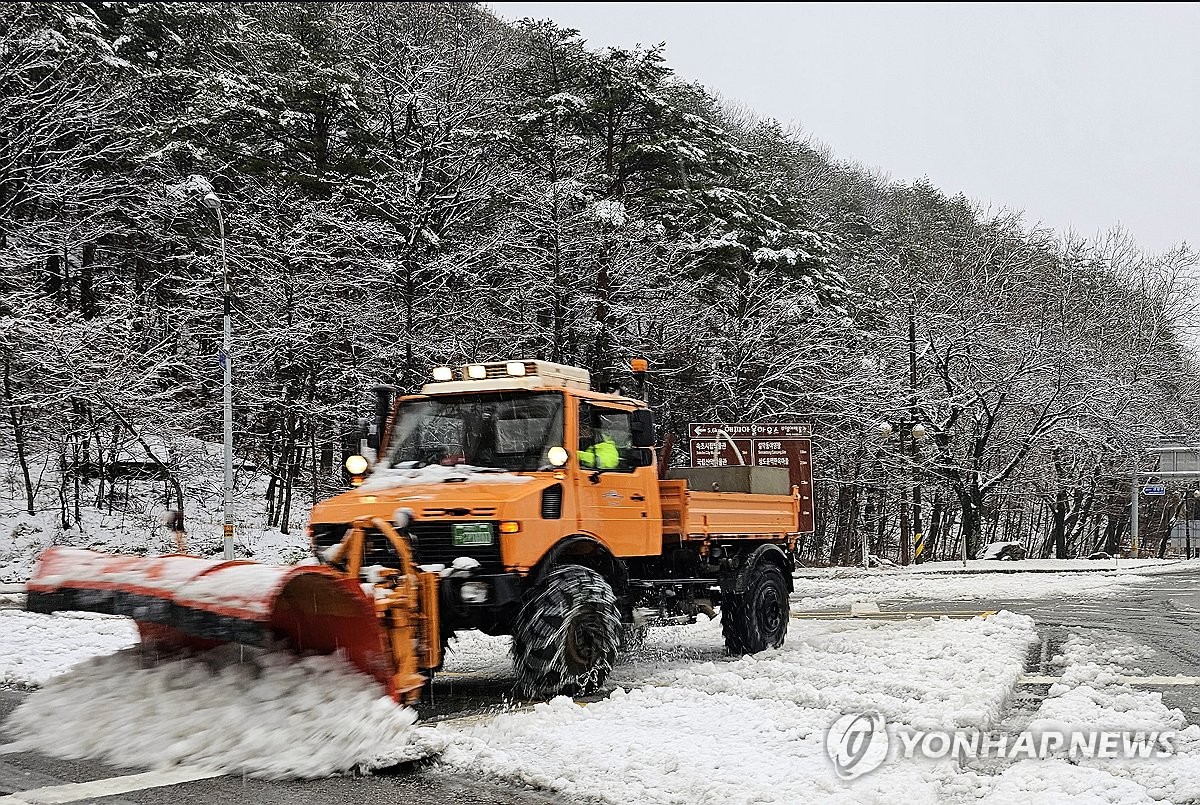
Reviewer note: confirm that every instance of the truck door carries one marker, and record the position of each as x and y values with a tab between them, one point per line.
618	498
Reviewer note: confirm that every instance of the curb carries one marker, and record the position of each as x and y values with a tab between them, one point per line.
862	574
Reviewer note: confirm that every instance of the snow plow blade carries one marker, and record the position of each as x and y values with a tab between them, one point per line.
196	603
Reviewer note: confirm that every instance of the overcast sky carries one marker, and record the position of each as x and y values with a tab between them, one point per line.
1083	116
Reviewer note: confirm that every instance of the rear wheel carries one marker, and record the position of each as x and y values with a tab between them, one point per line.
757	619
566	636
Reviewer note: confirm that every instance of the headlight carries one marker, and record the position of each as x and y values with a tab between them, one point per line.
557	456
473	592
515	368
477	371
356	465
443	373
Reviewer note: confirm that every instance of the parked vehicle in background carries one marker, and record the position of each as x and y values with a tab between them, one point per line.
1005	551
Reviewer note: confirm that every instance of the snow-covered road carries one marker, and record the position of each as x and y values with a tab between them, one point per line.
683	722
753	729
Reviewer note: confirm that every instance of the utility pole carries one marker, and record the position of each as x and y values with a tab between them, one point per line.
213	202
868	527
917	531
1134	495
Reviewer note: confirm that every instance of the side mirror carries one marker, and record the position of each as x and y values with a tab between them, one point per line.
642	424
377	437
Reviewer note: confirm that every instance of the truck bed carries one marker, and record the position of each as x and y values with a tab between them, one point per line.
691	515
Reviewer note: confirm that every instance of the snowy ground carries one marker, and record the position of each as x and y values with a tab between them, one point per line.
1091	695
35	648
135	524
23	537
834	588
753	729
686	724
1048	566
236	709
762	716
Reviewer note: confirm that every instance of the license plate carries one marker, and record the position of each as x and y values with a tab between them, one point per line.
472	534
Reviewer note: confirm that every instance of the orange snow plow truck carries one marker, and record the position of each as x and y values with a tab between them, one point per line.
507	497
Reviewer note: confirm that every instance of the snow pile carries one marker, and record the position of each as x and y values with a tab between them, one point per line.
839	590
392	477
1054	566
234	709
1089	697
27	536
753	729
39	647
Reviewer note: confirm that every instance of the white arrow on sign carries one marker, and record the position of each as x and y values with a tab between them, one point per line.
1154	490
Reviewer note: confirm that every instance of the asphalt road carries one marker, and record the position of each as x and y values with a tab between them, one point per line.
1161	612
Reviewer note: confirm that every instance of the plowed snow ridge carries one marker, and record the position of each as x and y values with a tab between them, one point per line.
234	709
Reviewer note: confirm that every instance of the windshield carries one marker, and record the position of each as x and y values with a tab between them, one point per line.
508	430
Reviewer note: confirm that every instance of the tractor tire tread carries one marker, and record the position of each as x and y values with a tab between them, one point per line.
539	651
740	622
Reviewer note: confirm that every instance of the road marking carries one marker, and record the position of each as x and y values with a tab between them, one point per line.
1149	681
891	616
108	787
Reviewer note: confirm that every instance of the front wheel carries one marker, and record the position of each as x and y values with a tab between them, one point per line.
567	634
757	619
633	637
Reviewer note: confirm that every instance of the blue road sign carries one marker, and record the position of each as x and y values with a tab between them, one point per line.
1154	489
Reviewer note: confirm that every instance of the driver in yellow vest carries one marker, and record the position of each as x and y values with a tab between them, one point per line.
597	454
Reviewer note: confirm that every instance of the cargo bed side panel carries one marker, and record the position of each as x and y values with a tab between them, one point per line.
698	515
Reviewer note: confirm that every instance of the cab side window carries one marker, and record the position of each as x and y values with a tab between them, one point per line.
605	439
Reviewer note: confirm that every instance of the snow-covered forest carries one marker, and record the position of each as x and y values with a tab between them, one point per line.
409	185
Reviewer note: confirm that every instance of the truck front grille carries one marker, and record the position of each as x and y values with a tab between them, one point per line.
432	544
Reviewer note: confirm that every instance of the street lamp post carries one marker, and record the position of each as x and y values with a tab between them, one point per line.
213	202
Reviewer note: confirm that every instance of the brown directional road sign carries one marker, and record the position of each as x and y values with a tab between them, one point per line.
760	444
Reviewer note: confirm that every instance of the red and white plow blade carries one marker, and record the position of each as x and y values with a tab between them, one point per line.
200	603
